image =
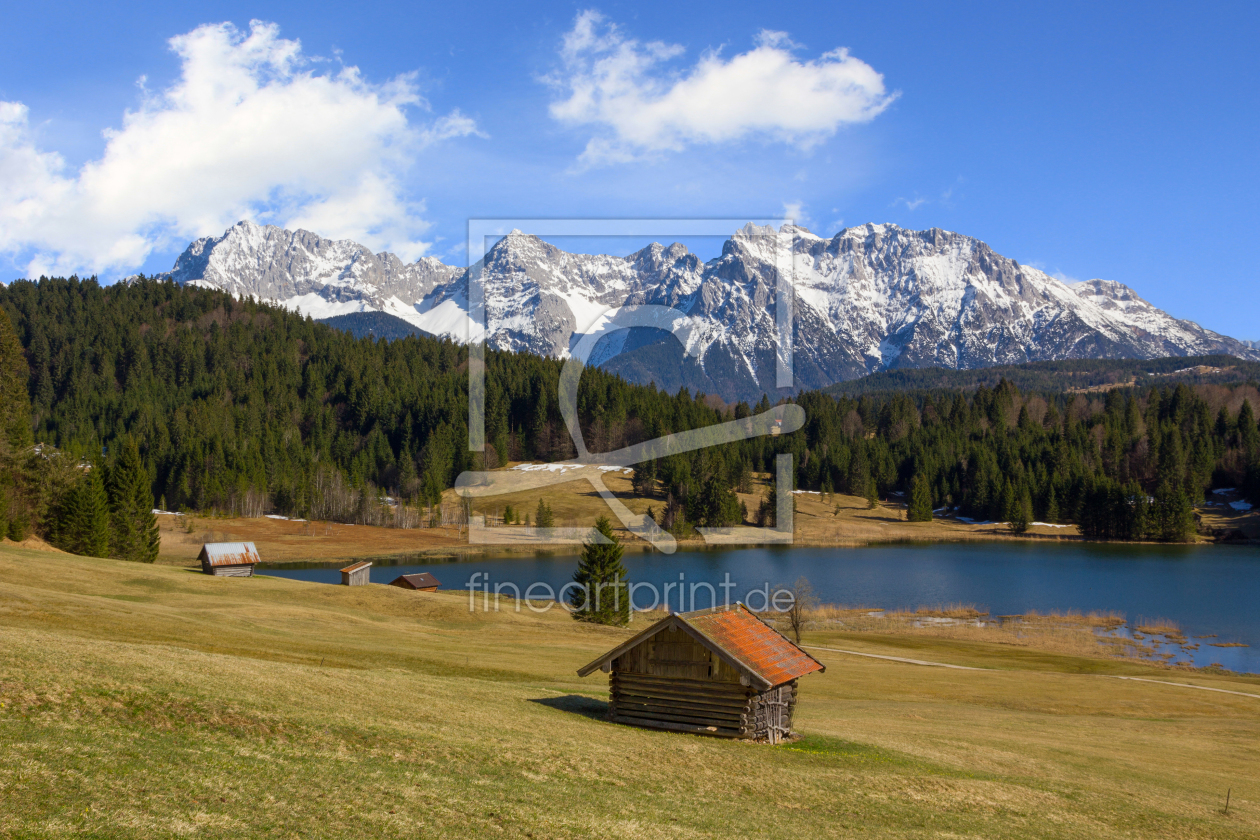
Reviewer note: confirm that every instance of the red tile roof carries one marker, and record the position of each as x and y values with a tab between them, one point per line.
761	648
736	634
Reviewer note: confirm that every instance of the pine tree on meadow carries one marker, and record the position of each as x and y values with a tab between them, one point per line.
604	598
543	517
134	534
85	520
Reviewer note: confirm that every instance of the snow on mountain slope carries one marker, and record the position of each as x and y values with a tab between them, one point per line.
869	298
300	269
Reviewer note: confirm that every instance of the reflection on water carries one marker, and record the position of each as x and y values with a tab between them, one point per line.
1208	591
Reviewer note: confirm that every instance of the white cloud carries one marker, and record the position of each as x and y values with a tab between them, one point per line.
252	128
795	210
638	106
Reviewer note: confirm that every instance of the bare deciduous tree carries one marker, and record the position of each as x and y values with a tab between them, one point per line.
803	601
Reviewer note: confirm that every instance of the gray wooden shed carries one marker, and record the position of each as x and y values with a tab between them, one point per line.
235	559
360	574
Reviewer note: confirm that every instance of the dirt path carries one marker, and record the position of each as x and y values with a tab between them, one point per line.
906	661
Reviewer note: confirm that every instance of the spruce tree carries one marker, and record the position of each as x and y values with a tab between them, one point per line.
85	519
135	532
1019	511
1139	511
1251	484
15	402
1173	516
543	517
920	500
603	597
768	511
872	494
1248	433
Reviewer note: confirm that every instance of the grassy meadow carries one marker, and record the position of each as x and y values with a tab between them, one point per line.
152	701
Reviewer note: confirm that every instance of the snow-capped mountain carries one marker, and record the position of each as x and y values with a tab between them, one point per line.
322	277
870	298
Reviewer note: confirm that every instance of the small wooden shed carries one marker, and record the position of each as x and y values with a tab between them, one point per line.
357	575
420	582
720	671
235	559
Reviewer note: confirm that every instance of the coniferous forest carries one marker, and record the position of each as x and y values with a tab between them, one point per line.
118	399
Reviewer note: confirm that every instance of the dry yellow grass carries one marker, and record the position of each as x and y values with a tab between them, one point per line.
284	541
144	701
1071	633
1160	627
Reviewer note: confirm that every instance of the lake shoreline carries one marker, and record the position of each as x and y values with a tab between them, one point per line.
466	552
1202	595
840	522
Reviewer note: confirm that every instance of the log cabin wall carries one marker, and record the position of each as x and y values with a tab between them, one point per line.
671	681
229	571
772	713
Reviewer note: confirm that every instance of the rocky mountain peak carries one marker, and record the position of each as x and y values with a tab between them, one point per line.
872	297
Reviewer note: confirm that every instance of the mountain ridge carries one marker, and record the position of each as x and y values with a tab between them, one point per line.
871	298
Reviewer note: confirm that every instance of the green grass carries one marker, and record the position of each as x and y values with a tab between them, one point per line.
140	701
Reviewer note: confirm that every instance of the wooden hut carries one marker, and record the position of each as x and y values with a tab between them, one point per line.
235	559
421	582
721	671
357	575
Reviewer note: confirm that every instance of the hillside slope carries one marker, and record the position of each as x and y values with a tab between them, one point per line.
141	701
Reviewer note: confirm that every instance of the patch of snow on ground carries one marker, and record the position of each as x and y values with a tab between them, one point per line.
1224	491
560	468
1240	505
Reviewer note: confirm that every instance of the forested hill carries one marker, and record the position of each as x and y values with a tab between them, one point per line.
378	325
242	407
220	404
1062	376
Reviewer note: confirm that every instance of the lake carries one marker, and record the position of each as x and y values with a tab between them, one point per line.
1205	589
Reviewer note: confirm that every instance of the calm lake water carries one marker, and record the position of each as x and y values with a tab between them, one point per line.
1206	590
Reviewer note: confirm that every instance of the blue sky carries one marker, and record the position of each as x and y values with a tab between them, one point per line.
1090	140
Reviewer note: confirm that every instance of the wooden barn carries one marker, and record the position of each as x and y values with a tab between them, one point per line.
235	559
721	671
357	575
421	582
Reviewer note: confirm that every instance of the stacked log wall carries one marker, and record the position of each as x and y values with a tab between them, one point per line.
671	681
